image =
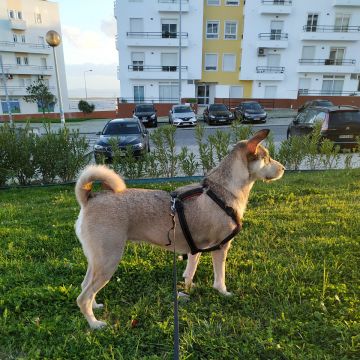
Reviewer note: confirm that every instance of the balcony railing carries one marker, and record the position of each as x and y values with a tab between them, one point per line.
331	28
165	68
305	92
173	1
272	36
31	45
156	35
276	2
335	62
8	67
270	69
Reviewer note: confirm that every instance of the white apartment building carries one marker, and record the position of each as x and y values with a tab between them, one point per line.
25	54
148	34
308	47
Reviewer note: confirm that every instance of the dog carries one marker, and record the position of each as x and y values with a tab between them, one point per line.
108	219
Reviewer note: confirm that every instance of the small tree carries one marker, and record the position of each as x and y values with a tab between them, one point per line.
85	107
39	93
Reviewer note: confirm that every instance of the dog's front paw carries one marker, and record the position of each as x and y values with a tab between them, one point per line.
96	325
222	290
97	306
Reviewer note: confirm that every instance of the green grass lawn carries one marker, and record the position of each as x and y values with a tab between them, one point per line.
293	270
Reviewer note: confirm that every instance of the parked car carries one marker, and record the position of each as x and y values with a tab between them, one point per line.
146	113
218	114
340	124
317	102
250	111
182	115
127	132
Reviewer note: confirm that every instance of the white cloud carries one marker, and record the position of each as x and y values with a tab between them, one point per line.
108	27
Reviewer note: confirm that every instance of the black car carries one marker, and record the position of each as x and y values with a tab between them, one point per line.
217	114
317	102
146	113
340	124
250	111
128	132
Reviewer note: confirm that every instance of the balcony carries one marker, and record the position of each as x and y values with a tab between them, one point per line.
331	33
276	73
173	5
273	41
18	90
278	7
156	39
19	47
28	69
151	72
17	24
339	66
346	3
306	92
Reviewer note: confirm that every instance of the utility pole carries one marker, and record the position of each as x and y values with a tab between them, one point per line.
4	79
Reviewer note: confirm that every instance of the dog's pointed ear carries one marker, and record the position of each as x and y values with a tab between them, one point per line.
253	142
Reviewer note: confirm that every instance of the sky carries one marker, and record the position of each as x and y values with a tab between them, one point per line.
88	34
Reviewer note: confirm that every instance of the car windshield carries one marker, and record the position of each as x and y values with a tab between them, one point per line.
182	109
125	128
345	117
252	106
144	108
218	107
325	103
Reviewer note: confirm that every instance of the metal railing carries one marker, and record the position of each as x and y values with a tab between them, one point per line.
156	35
21	88
143	100
270	69
272	36
166	68
8	67
338	62
330	28
173	1
32	45
305	92
276	2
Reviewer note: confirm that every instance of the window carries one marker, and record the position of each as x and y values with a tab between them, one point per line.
211	61
11	14
45	107
38	19
43	62
139	93
229	62
304	86
19	15
23	39
169	61
138	60
168	92
276	28
213	2
270	92
15	38
169	28
232	2
203	94
18	60
236	92
332	84
41	40
308	53
26	60
336	56
14	105
230	30
342	22
136	25
311	23
212	29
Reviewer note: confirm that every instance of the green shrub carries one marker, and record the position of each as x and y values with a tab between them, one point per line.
85	107
206	150
187	161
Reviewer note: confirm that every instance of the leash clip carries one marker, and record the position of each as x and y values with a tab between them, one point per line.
173	204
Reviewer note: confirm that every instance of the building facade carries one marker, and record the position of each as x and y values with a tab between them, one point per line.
305	47
26	57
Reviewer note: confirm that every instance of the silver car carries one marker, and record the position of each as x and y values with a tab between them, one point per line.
182	115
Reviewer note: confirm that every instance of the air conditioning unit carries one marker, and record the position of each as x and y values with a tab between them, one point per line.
261	51
41	77
10	76
328	62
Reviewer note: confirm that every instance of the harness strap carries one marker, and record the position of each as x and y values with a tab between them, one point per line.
177	200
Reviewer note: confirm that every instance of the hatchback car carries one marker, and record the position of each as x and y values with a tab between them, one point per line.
317	102
146	113
340	124
182	115
250	111
218	114
127	132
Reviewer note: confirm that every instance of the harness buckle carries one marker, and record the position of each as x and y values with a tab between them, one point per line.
173	204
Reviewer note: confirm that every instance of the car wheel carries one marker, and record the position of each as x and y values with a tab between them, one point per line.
155	124
169	121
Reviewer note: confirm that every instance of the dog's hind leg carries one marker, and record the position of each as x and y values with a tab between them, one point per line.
102	268
190	270
219	259
95	305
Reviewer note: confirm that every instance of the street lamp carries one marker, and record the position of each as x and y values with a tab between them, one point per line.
85	82
54	40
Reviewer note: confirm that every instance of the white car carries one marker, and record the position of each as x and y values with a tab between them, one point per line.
182	115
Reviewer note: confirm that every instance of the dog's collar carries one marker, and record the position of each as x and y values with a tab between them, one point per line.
177	206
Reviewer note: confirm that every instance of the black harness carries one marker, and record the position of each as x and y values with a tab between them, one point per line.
178	206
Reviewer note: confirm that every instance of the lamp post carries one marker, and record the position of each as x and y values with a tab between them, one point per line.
85	82
54	40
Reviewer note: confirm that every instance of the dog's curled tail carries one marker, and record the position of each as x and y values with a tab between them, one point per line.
110	179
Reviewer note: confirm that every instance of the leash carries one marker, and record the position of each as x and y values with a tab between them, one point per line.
175	294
